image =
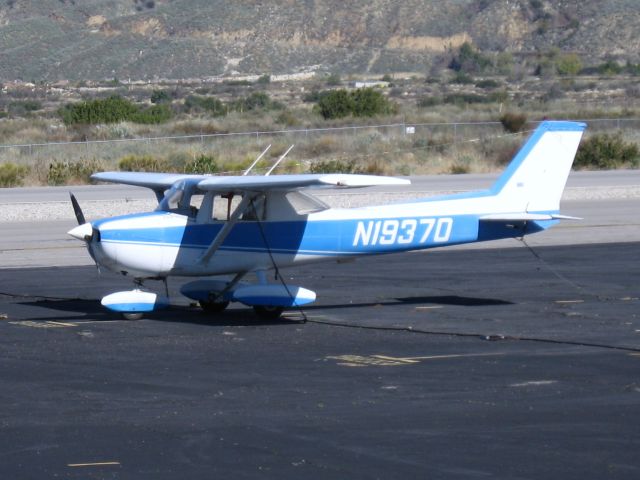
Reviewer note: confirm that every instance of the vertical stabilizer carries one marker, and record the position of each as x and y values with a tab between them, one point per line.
535	178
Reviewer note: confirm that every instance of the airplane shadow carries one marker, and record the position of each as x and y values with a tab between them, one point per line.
454	300
81	309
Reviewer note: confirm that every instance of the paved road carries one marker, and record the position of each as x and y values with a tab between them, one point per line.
453	364
34	234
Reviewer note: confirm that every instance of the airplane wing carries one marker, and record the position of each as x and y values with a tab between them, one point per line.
163	181
295	182
154	181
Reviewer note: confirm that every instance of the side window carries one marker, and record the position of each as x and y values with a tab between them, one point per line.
225	205
256	210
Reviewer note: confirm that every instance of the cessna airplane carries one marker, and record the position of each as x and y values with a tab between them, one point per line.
206	226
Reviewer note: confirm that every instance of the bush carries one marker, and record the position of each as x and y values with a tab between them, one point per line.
569	64
264	80
142	163
202	164
12	175
255	101
112	110
513	122
334	166
335	104
368	102
208	104
152	115
605	151
64	173
469	60
363	102
160	96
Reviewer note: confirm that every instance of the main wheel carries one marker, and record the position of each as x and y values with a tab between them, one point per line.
213	307
133	315
268	312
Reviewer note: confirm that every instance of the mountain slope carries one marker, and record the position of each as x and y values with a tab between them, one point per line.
145	39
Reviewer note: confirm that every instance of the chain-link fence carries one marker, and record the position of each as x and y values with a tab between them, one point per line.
310	143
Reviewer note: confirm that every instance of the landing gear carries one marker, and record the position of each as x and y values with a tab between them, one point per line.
268	312
132	316
213	307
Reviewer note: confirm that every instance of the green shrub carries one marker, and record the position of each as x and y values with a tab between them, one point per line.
255	101
112	110
12	175
335	104
334	166
569	64
462	99
160	96
142	163
605	151
264	80
64	173
513	122
363	102
469	60
488	83
208	104
426	102
368	102
287	118
24	106
202	164
152	115
461	78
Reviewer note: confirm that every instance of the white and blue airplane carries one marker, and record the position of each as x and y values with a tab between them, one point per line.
208	226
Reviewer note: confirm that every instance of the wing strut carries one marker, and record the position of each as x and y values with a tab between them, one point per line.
224	232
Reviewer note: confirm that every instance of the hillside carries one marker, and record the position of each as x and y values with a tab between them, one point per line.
53	40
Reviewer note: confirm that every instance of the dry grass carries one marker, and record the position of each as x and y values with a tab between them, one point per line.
437	146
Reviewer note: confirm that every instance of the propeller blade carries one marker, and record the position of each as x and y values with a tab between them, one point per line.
77	210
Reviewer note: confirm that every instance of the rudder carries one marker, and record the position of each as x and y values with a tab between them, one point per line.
536	177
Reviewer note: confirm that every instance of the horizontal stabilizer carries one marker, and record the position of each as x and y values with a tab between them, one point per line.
525	217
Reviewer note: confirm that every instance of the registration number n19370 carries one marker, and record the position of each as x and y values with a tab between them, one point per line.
402	231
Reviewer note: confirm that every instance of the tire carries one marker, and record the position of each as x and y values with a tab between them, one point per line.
213	307
133	315
268	312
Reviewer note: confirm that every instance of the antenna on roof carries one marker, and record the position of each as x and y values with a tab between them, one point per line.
273	167
255	162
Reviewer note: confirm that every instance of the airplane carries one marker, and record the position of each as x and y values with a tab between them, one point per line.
211	226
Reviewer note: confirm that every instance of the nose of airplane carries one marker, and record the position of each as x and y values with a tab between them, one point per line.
82	232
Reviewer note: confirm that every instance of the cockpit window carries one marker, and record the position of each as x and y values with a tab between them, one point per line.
181	199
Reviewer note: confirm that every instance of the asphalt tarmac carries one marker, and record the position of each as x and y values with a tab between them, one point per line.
497	363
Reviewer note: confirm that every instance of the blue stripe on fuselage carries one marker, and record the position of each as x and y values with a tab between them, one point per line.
326	237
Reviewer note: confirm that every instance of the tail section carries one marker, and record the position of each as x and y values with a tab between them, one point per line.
534	180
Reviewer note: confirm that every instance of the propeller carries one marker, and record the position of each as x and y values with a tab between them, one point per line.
77	210
84	231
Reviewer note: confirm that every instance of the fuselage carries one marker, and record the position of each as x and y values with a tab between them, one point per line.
163	243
